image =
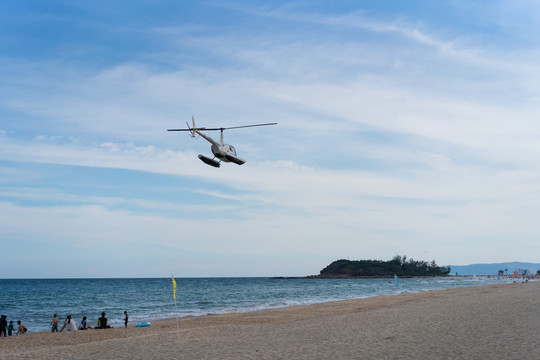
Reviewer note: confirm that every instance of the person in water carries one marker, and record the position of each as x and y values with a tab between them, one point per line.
69	324
126	318
54	323
102	322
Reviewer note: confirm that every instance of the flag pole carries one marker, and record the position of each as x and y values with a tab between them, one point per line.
175	307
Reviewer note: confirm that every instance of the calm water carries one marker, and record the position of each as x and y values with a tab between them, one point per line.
34	301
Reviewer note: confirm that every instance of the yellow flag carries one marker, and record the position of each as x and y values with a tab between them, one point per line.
174	287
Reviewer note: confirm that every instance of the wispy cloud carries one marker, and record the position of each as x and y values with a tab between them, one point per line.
393	134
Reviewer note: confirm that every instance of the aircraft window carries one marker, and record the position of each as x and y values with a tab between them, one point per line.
233	149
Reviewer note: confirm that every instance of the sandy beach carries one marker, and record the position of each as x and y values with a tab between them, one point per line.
486	322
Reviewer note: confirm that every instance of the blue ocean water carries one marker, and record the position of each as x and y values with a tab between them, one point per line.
34	301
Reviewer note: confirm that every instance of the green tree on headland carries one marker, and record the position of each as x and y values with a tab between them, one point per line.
400	266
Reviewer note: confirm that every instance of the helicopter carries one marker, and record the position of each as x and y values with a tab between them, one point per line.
223	152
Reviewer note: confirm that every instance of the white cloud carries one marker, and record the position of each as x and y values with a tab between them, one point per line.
427	144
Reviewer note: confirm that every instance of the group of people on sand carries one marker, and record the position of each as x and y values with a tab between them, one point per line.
8	329
70	324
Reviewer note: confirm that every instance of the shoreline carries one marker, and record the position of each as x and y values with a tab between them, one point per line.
488	321
240	310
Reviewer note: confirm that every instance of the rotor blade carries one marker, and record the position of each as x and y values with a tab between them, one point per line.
244	126
190	129
238	127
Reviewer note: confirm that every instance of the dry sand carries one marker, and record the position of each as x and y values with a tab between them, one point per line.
486	322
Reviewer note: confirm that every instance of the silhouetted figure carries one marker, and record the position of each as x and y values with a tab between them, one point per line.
3	325
102	322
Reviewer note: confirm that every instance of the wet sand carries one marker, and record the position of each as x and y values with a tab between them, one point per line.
485	322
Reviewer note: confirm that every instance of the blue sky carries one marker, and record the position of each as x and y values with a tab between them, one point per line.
405	127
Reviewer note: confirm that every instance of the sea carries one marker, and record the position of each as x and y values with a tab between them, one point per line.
35	301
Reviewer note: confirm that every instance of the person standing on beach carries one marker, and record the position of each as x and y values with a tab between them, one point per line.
125	319
10	328
54	323
3	325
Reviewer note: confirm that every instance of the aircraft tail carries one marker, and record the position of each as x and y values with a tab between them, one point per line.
192	129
